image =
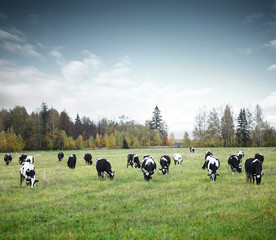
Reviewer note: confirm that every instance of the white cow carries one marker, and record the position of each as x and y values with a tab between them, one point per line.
177	158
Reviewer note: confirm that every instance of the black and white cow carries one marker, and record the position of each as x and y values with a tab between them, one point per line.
234	162
192	150
8	158
22	158
165	162
103	166
133	159
72	161
148	167
253	168
88	158
177	158
60	156
27	172
212	164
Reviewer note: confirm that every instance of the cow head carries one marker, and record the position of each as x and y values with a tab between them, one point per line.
111	175
258	178
164	170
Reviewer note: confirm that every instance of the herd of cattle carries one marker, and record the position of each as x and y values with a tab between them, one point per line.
253	166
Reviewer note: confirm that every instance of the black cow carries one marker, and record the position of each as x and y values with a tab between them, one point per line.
133	159
72	161
7	158
103	166
234	162
27	172
192	150
212	164
22	158
60	156
148	167
165	162
253	168
88	158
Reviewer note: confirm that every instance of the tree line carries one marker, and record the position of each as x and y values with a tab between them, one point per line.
219	127
47	129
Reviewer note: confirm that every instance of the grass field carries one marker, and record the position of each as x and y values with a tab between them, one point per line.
75	204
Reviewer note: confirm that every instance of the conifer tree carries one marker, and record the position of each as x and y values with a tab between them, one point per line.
242	133
156	122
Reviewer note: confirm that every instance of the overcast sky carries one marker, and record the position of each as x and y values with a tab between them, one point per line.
112	58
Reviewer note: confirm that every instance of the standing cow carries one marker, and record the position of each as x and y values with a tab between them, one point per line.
148	167
212	164
133	159
7	158
253	168
27	172
103	166
88	158
192	150
234	162
177	158
165	162
60	156
72	161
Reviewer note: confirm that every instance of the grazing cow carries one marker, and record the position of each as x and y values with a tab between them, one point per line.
72	161
27	172
22	158
192	150
234	162
165	162
148	167
103	166
253	168
133	159
60	156
88	158
7	158
177	158
212	164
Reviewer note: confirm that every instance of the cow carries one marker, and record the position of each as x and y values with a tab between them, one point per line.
8	158
212	164
165	162
103	166
22	158
177	158
234	162
72	161
148	167
253	168
133	159
27	172
60	156
192	150
88	158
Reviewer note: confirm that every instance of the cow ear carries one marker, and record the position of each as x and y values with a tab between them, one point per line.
262	174
160	169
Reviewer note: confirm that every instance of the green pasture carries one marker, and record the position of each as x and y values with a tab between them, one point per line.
75	204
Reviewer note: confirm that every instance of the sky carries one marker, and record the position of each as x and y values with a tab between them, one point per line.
112	58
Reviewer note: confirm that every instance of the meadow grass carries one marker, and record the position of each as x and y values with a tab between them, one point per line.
185	204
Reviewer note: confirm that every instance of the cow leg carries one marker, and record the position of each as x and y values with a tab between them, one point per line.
21	179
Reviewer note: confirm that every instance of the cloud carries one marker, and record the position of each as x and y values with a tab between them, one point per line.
271	44
272	67
14	41
269	106
252	18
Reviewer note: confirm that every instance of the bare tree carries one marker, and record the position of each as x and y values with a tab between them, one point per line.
227	127
200	127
